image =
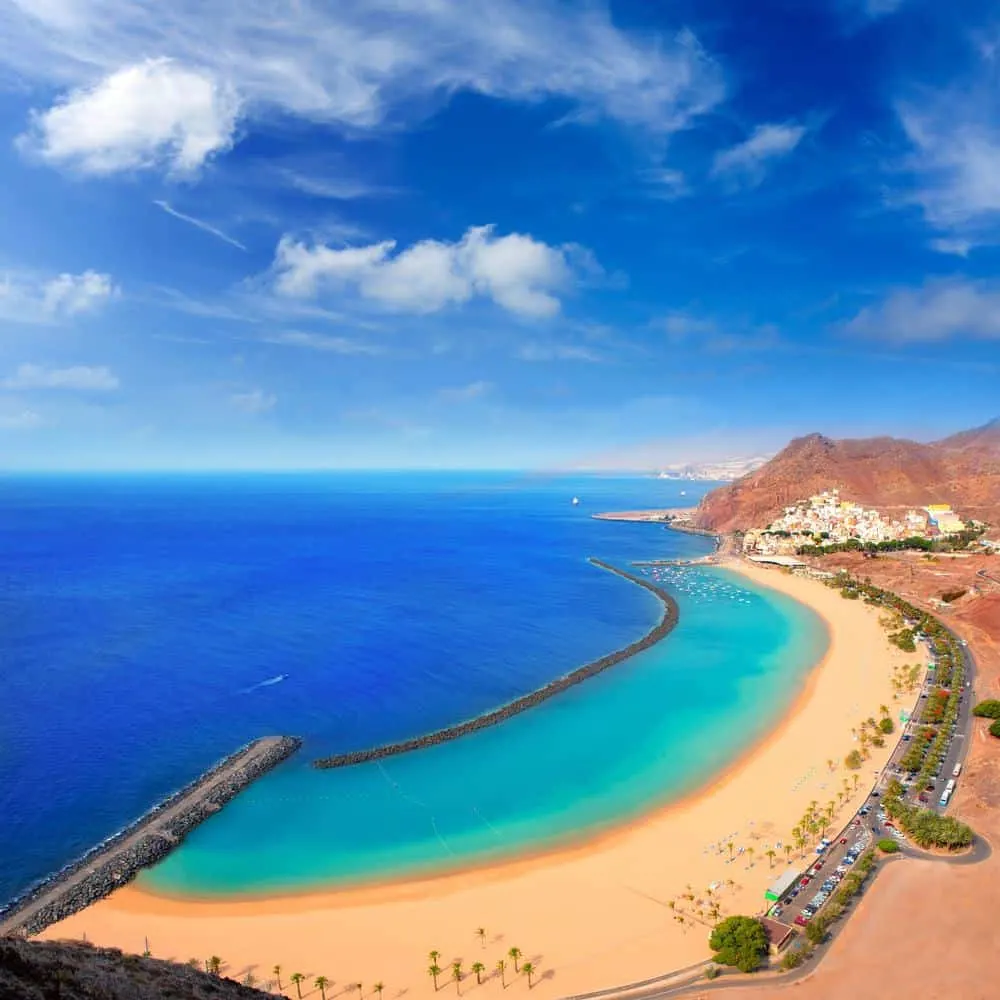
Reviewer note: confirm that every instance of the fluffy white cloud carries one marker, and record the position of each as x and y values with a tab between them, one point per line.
254	401
153	112
30	299
749	160
938	310
80	377
517	272
357	63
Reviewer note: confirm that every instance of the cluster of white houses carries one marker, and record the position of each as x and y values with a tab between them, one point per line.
826	519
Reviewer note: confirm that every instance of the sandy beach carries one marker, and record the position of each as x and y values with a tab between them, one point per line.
589	917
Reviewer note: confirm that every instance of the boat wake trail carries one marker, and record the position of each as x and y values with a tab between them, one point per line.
263	684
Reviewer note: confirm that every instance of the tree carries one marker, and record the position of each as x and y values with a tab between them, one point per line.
730	845
434	971
434	956
853	760
529	971
481	934
456	974
277	976
378	987
501	968
321	983
888	846
194	963
297	978
739	941
514	954
750	856
478	968
788	851
215	965
995	728
771	853
989	709
816	930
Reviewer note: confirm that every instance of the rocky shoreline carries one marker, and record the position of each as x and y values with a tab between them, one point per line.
117	860
653	636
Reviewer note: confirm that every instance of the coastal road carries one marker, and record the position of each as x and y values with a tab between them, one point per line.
958	746
155	825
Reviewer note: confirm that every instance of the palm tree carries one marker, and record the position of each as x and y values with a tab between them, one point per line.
481	934
788	851
750	856
378	987
250	979
321	984
360	988
730	846
529	971
829	763
297	978
434	971
515	954
277	975
770	852
501	967
478	968
857	781
215	965
434	956
456	974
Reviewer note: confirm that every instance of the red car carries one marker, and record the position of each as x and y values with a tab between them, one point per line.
843	840
801	920
804	882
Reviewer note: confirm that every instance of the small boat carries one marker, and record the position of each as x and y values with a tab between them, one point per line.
575	501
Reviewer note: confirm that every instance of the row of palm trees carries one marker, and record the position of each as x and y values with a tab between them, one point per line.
478	968
321	983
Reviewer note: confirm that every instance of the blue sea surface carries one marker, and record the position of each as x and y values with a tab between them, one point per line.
152	624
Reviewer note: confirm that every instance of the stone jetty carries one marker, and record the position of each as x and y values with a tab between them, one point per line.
117	860
492	718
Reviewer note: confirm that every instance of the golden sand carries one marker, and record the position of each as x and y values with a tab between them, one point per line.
587	918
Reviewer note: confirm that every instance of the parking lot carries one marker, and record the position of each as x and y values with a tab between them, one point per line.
822	873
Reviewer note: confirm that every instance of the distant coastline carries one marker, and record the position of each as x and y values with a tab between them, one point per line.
560	684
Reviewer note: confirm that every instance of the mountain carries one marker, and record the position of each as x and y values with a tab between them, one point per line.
40	970
963	470
722	471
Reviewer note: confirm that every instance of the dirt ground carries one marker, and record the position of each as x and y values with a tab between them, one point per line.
928	931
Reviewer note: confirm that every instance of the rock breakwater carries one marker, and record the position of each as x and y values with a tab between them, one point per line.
560	684
117	860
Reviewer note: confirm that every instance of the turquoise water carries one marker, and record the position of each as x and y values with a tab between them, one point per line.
637	736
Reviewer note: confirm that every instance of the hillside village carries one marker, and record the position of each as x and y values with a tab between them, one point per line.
826	519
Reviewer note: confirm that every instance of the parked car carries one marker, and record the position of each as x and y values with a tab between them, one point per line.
803	882
802	920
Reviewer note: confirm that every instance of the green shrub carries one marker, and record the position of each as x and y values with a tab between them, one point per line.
739	941
711	972
816	930
886	725
995	728
888	846
853	760
989	709
795	956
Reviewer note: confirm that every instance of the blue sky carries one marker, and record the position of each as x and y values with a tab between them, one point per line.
429	233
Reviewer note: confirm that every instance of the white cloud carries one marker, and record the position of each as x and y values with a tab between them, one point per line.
198	224
322	342
150	113
517	272
81	377
465	393
358	64
938	310
959	248
538	352
26	298
254	401
749	160
332	187
20	420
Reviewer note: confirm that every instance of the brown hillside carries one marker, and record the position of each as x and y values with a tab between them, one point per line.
963	470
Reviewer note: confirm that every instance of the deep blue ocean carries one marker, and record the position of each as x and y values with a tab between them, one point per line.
150	625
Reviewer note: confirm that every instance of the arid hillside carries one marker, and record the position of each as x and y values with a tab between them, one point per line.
42	970
963	470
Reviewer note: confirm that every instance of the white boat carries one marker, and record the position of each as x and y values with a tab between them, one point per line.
576	500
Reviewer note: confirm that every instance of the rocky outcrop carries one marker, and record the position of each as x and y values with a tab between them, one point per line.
117	860
654	635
